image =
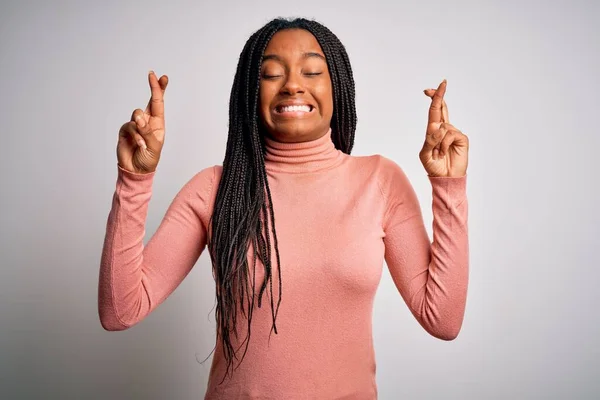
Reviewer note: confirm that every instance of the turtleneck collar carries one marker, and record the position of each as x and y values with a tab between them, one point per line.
311	156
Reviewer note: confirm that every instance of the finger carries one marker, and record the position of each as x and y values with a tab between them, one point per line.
163	82
144	129
438	151
435	154
448	126
444	129
438	147
156	94
448	139
435	109
445	117
140	119
129	130
157	88
433	138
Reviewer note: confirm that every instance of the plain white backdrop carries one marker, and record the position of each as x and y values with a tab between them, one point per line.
522	84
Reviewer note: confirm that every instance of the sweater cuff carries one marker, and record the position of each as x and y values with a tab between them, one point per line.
134	182
452	191
126	174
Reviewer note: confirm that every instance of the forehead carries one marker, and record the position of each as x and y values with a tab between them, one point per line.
293	42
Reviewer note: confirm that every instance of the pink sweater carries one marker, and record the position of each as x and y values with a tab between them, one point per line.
338	217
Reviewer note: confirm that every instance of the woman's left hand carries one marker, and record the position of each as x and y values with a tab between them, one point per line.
445	151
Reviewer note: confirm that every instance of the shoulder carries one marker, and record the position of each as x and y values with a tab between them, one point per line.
376	162
390	176
203	182
207	175
385	170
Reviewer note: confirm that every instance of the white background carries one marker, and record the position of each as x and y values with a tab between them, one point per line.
522	84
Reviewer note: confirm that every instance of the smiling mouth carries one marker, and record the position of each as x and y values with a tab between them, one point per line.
295	109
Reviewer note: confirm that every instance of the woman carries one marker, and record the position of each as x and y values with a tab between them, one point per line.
292	219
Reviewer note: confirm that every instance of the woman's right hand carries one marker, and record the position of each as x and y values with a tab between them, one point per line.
141	139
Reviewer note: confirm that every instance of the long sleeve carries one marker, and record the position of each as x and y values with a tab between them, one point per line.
432	277
134	279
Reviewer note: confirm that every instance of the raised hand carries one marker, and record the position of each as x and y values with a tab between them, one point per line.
445	151
141	139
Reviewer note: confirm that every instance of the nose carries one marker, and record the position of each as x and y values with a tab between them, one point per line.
292	85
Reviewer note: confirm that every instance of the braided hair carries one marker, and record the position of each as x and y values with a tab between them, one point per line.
243	205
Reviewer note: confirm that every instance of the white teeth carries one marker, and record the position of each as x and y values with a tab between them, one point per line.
295	108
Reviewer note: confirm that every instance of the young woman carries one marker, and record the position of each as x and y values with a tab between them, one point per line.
297	229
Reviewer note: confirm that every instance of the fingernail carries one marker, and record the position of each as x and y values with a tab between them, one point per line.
140	121
142	144
150	72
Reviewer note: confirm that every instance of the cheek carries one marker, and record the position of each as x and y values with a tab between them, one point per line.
325	96
264	99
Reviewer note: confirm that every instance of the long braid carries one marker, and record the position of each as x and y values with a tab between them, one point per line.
243	215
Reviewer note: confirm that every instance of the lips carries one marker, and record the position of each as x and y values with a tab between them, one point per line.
293	107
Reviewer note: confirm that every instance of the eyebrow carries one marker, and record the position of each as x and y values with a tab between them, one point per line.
305	55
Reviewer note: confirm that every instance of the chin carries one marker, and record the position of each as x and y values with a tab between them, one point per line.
290	133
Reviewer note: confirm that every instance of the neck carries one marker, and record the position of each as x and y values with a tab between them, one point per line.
310	156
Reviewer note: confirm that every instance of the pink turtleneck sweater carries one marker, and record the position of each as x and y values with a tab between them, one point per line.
338	217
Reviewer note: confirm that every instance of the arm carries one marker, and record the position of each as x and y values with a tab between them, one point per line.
135	279
432	278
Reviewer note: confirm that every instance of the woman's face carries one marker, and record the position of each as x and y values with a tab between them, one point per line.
296	100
